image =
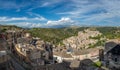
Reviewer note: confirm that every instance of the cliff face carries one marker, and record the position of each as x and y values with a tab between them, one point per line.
83	39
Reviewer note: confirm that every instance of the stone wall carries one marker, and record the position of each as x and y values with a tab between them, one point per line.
60	66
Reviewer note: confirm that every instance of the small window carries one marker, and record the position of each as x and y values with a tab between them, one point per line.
116	59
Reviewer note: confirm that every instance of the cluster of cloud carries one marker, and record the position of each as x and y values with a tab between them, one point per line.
31	4
62	21
31	22
6	19
91	11
84	12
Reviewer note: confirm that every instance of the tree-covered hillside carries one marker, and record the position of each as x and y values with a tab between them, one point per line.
54	35
110	32
3	28
57	35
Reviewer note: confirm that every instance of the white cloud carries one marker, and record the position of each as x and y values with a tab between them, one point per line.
45	3
83	7
30	24
26	24
62	21
36	15
6	19
23	21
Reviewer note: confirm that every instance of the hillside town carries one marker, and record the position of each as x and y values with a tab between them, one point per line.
21	51
59	35
83	40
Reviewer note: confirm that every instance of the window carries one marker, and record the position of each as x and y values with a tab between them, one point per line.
116	59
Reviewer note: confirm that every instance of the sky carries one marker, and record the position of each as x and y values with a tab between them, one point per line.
55	13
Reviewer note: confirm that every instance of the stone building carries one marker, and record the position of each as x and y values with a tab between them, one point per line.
85	64
83	40
34	51
11	38
5	59
91	53
112	55
59	66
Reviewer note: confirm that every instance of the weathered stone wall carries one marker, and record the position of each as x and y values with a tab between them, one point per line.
60	66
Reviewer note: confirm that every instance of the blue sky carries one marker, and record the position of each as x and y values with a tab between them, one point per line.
51	13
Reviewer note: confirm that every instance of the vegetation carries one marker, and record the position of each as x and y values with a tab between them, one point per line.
56	36
107	33
110	32
98	64
3	28
99	43
97	37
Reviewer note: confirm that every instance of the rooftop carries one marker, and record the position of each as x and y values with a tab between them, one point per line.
111	44
85	51
62	54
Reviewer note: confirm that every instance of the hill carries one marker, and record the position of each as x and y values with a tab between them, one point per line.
57	35
54	35
3	28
